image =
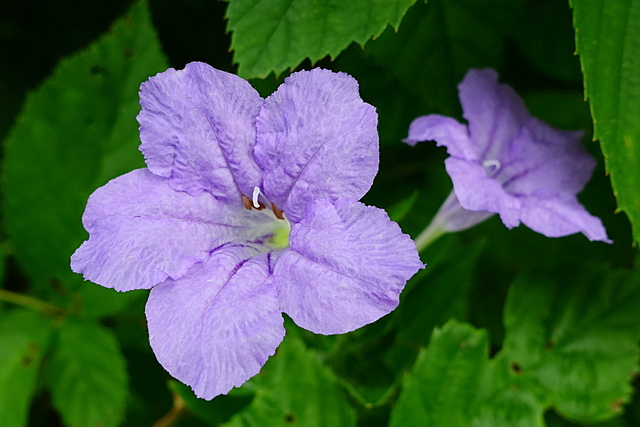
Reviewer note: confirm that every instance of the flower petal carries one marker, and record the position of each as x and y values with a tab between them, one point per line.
494	111
142	231
197	128
214	328
445	131
316	139
346	266
477	192
556	215
544	157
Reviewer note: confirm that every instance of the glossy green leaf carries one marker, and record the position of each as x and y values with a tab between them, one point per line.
608	42
75	132
87	376
294	388
275	35
24	336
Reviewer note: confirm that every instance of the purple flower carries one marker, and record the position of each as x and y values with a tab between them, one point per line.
248	208
509	163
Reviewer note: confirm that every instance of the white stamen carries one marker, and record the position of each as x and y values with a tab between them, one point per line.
492	163
256	194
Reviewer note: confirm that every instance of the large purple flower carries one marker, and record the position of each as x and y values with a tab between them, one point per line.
509	163
248	208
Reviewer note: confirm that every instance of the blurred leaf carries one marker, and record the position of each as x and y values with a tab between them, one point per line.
434	295
76	131
552	50
399	210
294	388
437	43
608	42
216	411
24	336
95	301
571	346
274	35
87	376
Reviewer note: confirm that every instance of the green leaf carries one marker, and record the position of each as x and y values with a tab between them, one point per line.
436	392
577	340
608	42
294	388
437	43
87	376
24	336
569	345
273	35
75	132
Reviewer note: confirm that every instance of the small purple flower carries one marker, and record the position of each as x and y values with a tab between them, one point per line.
509	163
248	208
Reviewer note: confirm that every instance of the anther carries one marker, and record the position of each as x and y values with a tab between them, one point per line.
277	212
246	202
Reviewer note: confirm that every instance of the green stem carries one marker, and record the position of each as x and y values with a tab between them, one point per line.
31	303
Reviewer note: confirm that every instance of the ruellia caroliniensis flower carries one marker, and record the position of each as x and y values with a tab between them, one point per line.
248	208
510	163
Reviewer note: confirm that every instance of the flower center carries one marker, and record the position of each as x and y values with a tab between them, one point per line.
280	236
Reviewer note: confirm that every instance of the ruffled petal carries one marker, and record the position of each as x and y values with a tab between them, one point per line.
445	131
142	231
477	192
556	215
543	157
316	139
494	111
214	328
346	266
197	128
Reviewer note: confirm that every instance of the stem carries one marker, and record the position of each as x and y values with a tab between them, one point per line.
174	414
31	303
429	235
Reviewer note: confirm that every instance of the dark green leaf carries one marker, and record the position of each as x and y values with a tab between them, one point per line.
274	35
294	388
434	295
608	42
24	336
75	132
87	376
398	211
216	411
552	50
437	43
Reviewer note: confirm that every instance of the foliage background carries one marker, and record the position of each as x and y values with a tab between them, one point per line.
502	328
